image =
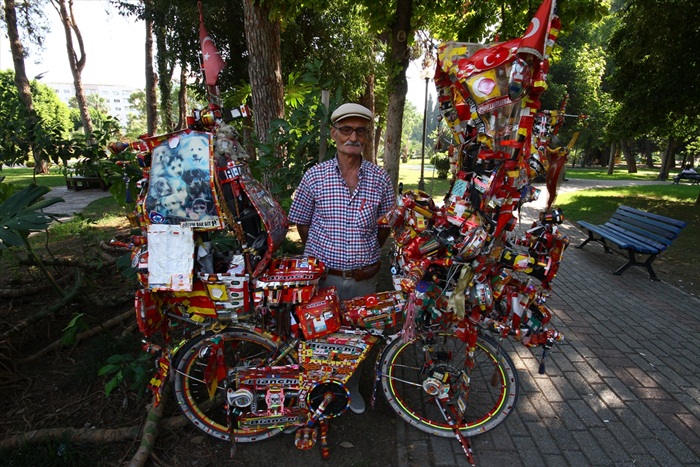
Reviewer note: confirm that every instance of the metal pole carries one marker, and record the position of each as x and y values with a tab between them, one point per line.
421	182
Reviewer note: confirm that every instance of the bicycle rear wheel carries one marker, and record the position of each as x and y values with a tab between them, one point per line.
243	348
493	383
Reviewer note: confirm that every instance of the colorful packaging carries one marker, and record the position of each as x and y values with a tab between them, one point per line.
374	311
320	315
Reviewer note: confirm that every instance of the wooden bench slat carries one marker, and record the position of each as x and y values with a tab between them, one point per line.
623	240
651	215
639	242
640	230
605	232
662	223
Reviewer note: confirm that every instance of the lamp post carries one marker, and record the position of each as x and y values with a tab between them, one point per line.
425	74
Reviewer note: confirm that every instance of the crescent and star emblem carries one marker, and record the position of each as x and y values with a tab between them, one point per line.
535	23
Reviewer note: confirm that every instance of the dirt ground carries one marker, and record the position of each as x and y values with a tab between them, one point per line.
61	389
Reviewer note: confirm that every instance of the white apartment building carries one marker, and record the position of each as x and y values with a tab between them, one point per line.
115	97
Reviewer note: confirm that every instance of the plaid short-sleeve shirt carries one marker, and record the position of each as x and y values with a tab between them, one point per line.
342	225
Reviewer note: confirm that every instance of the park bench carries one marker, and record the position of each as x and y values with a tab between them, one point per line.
80	182
695	178
634	232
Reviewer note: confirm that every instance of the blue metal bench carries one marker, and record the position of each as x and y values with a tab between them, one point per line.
636	232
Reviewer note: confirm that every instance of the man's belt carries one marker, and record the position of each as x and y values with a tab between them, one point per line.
360	274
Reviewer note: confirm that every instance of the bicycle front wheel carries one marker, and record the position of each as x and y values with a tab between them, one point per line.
493	383
242	349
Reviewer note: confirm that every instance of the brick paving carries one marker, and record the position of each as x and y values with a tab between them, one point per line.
622	389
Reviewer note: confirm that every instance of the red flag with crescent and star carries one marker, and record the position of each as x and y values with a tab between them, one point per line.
212	63
534	41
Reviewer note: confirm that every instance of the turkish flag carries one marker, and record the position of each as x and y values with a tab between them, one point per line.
535	39
212	63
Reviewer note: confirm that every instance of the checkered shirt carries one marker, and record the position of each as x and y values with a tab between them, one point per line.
342	226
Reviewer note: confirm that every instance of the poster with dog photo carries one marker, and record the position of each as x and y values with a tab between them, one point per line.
180	183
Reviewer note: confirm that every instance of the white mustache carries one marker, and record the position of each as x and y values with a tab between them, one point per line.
352	143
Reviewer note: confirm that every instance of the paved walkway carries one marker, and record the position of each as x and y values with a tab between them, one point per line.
73	201
622	389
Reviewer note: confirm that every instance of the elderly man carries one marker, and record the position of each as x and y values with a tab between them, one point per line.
337	204
336	208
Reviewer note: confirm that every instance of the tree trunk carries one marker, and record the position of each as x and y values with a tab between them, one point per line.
22	83
182	98
377	138
667	160
165	72
77	63
367	100
398	60
265	65
151	78
629	156
611	160
647	153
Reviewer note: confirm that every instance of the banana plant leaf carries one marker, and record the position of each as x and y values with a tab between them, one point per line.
21	214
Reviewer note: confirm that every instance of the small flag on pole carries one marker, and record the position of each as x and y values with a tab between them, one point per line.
212	63
535	39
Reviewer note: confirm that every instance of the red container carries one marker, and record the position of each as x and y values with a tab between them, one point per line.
320	315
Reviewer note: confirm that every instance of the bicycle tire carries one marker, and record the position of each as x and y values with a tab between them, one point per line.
487	406
209	414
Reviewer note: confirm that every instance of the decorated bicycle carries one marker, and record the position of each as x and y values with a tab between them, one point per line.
255	348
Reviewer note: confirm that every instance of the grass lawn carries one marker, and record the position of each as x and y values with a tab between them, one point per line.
409	175
619	173
23	176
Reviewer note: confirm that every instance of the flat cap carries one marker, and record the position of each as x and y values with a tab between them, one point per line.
351	110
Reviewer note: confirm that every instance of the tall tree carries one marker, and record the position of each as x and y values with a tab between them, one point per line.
21	81
77	62
165	75
151	78
398	60
655	73
264	64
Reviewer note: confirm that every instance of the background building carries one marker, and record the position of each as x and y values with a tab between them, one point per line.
115	97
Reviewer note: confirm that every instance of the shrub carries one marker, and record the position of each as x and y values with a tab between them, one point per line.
442	165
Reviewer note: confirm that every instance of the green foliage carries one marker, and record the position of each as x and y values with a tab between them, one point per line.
21	214
97	107
20	135
580	71
655	78
6	190
136	122
292	145
54	114
74	326
442	165
337	35
128	370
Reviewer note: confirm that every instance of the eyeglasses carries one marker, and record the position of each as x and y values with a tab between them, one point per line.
361	132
